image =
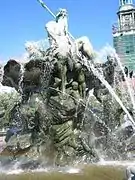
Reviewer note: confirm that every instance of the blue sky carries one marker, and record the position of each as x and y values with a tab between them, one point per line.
22	20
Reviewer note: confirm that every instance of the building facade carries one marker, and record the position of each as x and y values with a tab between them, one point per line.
124	33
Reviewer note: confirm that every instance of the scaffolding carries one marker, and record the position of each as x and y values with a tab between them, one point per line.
125	48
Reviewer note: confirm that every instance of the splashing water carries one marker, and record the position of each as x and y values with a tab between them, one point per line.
21	78
121	67
103	53
101	78
1	73
128	86
115	163
94	114
98	119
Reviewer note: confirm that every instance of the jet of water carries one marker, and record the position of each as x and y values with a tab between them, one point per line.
110	50
21	78
128	85
110	89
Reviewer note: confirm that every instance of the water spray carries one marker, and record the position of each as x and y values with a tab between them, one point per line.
100	77
126	81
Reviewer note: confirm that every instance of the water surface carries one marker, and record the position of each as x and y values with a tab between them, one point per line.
106	172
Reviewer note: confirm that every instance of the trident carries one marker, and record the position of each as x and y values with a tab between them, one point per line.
45	6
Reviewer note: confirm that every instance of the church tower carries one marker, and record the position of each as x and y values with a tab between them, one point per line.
124	33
